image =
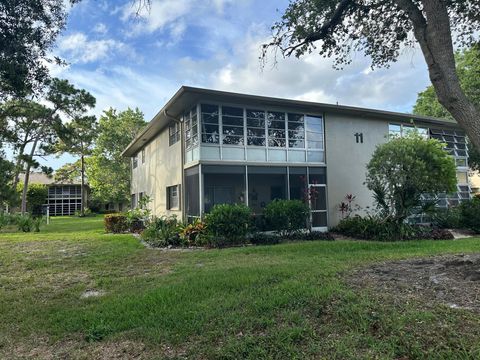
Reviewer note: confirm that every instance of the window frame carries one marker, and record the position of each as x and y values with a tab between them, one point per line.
170	203
174	131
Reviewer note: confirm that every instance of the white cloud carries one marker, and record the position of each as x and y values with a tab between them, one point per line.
77	47
100	28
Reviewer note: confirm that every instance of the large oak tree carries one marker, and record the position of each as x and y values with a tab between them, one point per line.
380	29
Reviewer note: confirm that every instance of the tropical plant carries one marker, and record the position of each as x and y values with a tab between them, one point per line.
404	169
228	224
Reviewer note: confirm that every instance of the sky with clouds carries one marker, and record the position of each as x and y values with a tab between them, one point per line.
131	57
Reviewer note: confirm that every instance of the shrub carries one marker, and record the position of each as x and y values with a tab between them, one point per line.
312	236
264	239
470	214
375	228
193	233
287	216
163	231
405	168
24	223
228	224
449	218
115	223
86	213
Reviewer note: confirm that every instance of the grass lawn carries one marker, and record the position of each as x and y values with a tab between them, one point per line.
283	301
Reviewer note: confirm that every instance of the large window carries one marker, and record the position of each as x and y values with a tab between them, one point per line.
232	125
223	185
191	129
403	130
276	129
315	139
173	197
296	131
173	133
256	127
210	124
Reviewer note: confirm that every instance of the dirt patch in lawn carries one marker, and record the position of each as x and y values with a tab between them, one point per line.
453	280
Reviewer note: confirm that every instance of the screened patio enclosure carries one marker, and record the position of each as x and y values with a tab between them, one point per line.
255	186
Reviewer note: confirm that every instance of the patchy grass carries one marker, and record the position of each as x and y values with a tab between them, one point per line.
281	301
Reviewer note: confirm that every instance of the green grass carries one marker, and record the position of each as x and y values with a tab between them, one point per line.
283	301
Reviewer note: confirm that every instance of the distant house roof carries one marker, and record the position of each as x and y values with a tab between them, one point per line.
41	178
188	96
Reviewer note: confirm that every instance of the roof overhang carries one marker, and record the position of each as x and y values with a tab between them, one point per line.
187	96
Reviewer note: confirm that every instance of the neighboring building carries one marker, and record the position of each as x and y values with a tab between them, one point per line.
474	180
208	147
63	198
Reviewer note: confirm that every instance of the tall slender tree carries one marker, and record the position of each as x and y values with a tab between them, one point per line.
78	139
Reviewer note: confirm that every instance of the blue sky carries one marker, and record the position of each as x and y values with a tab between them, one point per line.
130	61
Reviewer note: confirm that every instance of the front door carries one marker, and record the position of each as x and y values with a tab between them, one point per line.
318	207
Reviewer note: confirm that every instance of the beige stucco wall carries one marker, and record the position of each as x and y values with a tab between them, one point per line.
162	168
346	159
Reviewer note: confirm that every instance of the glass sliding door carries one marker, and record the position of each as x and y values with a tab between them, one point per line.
317	178
192	193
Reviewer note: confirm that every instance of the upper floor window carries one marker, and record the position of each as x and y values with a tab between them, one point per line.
404	130
191	129
256	127
314	130
143	156
276	129
232	125
210	124
296	131
135	162
173	133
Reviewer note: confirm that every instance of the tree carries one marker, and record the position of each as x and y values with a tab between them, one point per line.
36	196
380	29
37	126
7	191
404	169
78	139
69	173
28	30
108	171
468	69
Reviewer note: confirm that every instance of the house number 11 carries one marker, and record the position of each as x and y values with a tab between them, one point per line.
359	138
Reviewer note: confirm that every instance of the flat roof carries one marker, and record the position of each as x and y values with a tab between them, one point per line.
188	96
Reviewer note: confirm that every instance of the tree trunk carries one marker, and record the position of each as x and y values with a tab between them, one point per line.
18	164
433	33
82	189
27	178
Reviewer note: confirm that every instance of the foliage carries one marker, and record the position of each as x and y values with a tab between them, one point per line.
287	216
139	217
28	30
69	173
468	70
116	223
228	224
348	206
7	192
448	218
470	214
404	169
375	228
107	170
86	212
36	196
192	233
260	238
312	236
27	223
163	231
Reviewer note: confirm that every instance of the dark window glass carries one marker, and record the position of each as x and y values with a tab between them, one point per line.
210	120
256	128
298	183
317	175
223	185
173	133
276	129
192	193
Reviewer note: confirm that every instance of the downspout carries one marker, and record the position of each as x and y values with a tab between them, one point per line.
182	145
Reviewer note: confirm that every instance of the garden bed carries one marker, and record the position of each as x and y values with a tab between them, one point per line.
452	281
